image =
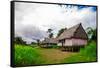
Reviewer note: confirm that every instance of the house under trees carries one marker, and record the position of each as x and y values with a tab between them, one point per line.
73	38
49	42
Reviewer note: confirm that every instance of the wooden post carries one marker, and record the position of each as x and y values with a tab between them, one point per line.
72	48
78	48
68	48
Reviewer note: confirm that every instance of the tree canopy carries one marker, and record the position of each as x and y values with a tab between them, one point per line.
92	33
18	40
50	33
61	31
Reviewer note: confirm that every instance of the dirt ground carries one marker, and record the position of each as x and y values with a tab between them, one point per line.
52	56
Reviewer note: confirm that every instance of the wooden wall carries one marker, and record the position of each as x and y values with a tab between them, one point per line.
68	42
73	42
79	42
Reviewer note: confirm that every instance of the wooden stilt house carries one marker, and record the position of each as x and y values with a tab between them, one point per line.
73	38
49	42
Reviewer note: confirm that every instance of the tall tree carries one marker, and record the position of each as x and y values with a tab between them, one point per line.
91	33
49	30
38	42
18	40
50	33
61	31
94	36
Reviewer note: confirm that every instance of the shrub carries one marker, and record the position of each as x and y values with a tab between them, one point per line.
87	54
90	50
26	55
55	46
18	40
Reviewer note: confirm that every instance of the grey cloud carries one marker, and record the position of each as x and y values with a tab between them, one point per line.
29	33
32	20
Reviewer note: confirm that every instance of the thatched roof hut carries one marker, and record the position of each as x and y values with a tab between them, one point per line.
74	36
48	42
76	31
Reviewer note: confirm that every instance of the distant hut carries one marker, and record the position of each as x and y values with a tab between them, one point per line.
48	42
73	39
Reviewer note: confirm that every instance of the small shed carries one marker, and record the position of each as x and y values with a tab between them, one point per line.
73	39
49	42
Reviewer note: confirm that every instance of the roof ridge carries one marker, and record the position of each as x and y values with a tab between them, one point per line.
70	31
76	25
73	26
77	28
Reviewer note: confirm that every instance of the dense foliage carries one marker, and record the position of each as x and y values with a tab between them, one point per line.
50	33
85	55
92	34
18	40
61	31
26	55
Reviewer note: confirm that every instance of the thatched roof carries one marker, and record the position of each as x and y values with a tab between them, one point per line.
50	40
75	31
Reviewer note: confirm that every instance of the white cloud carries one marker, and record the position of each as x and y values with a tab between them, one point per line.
41	17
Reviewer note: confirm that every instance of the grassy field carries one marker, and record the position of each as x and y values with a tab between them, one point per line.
28	55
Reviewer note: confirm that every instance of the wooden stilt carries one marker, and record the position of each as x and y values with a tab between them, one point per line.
72	49
68	48
78	48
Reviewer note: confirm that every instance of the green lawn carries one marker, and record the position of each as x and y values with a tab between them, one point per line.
28	55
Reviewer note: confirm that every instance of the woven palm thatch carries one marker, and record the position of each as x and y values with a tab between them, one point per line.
76	31
50	40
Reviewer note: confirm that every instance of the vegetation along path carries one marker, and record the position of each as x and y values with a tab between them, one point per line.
27	55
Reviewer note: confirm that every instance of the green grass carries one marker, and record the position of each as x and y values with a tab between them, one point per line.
34	55
26	55
53	55
85	55
55	46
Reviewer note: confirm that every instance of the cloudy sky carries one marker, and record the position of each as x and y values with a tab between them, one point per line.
32	20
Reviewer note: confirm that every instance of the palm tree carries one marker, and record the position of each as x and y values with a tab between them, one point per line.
91	33
50	33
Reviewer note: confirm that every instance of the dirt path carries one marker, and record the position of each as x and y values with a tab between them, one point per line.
54	55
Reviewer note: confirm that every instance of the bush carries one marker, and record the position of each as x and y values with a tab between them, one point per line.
87	54
18	40
25	55
55	46
90	50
